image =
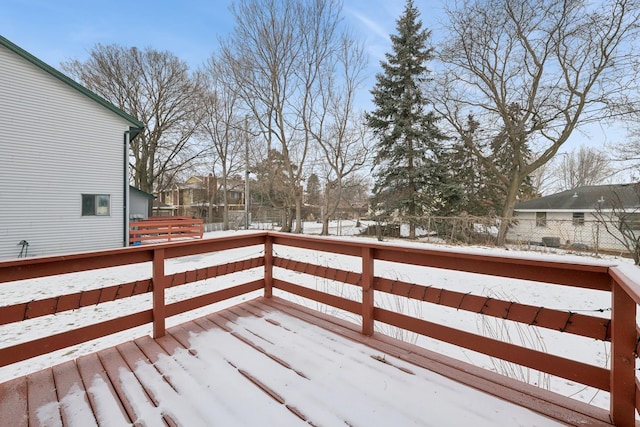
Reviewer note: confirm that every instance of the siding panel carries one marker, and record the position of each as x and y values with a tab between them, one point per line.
55	145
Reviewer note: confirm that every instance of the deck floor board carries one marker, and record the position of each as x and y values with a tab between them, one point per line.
42	398
265	356
13	402
102	395
69	384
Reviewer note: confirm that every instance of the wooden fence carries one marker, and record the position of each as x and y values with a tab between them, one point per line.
619	379
164	229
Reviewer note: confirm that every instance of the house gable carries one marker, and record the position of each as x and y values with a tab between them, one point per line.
72	83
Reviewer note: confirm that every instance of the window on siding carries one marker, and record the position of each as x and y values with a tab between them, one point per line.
541	219
96	204
578	218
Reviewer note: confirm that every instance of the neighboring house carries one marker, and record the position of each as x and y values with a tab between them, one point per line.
64	179
569	218
140	203
200	197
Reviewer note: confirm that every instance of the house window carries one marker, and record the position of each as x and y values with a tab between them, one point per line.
578	218
541	219
96	204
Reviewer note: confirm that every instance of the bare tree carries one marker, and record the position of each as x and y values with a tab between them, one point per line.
337	128
619	214
585	166
528	73
157	89
543	179
278	53
223	128
626	154
345	152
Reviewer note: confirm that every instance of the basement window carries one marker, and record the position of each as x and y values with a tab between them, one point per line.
96	204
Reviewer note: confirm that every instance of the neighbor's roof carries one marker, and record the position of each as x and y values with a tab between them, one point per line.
586	198
57	74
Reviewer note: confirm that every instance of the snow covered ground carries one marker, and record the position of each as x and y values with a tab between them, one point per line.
563	298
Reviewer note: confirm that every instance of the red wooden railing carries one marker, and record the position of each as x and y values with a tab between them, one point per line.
621	330
164	229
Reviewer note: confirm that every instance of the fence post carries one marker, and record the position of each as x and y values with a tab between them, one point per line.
367	291
158	293
623	342
268	266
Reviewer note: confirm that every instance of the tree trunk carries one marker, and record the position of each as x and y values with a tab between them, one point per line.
507	211
412	187
325	212
325	226
286	221
225	207
289	220
298	210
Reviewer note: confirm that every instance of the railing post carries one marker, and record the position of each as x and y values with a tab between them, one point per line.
268	266
158	293
367	291
623	342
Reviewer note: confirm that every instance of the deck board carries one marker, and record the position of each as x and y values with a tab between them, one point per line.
13	402
69	384
126	386
264	356
101	394
42	398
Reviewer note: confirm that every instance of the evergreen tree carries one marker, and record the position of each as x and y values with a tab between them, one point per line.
410	180
483	193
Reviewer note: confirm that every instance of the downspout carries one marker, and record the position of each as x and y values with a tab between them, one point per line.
127	136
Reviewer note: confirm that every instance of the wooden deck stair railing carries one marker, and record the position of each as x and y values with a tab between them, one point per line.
621	330
164	229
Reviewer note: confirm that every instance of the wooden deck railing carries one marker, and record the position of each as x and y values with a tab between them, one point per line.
621	330
164	229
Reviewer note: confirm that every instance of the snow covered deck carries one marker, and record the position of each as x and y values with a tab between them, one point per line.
271	362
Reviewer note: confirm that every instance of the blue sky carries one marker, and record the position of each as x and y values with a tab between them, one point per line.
57	31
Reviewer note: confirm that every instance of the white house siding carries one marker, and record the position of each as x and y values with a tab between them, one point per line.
55	145
560	224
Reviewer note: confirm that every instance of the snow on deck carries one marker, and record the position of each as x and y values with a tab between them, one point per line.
253	364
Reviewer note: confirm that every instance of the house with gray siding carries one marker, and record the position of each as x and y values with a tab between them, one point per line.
585	217
140	202
64	179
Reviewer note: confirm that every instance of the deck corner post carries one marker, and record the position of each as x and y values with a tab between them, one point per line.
367	291
623	343
268	266
159	312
